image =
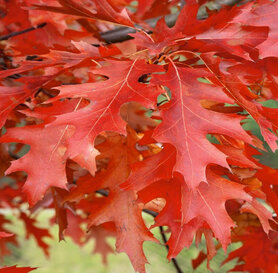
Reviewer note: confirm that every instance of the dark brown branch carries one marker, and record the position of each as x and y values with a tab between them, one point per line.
121	34
16	33
103	192
12	155
175	263
45	92
150	212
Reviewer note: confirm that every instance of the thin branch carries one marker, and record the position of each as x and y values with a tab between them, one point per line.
121	34
12	155
16	33
175	263
45	92
103	192
150	212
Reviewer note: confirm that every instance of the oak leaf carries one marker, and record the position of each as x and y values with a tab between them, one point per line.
186	123
15	269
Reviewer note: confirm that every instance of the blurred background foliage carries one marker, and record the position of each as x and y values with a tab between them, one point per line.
67	257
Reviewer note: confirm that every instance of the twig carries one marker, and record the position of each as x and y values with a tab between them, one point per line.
150	212
121	34
16	33
12	155
176	265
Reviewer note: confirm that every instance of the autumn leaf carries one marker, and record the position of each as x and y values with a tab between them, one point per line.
259	251
163	162
121	153
100	234
102	132
15	269
106	97
54	152
186	123
193	210
130	228
99	10
38	233
5	234
13	96
230	35
242	95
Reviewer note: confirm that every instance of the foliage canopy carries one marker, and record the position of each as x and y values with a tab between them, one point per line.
154	123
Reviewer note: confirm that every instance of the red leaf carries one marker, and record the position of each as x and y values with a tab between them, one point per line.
15	269
121	152
38	233
99	10
106	98
130	227
5	238
163	162
186	211
100	233
186	123
182	93
208	35
242	95
263	13
51	166
5	234
258	252
13	96
200	258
